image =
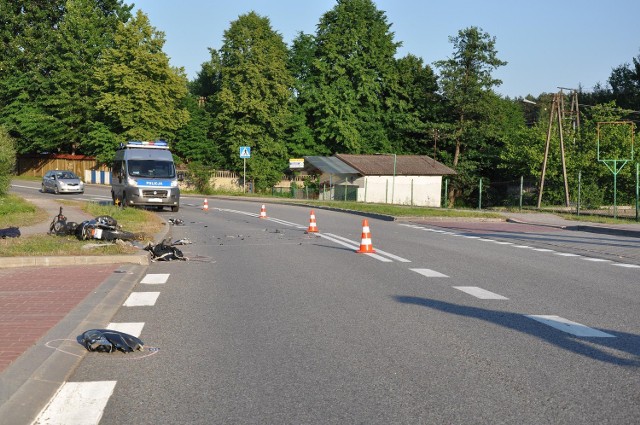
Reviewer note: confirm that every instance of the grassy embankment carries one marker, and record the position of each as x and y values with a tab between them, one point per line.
15	211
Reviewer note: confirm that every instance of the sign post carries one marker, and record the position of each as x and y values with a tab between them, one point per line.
245	152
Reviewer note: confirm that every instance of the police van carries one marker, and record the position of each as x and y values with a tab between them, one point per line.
143	174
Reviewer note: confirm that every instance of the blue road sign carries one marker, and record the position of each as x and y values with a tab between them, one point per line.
245	152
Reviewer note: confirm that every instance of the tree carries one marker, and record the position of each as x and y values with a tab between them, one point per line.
467	83
354	79
86	30
252	106
7	160
413	126
27	31
140	94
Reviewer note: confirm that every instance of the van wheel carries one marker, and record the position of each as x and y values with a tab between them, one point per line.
175	209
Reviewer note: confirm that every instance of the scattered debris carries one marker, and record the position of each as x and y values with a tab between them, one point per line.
164	251
9	232
176	222
183	241
107	341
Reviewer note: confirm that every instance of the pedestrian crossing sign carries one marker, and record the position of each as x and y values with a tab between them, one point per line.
245	152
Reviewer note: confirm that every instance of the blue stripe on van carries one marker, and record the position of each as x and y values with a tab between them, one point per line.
154	183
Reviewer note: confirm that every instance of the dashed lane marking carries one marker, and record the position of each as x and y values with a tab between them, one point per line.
630	266
480	293
429	273
141	299
155	279
77	403
131	328
566	254
568	326
596	260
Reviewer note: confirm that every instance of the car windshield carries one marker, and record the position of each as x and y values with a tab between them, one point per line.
149	168
66	175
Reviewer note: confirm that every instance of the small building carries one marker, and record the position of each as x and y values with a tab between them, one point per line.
389	178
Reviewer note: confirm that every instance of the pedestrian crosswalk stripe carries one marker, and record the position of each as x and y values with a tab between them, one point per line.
77	403
483	294
155	279
568	326
132	328
139	299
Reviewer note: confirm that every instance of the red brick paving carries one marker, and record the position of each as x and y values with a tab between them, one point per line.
35	299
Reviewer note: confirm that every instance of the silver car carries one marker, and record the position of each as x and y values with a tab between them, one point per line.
62	181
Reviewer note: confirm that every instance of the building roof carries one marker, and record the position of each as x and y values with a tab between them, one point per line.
330	165
405	165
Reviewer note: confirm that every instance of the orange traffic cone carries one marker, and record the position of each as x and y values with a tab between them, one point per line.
365	245
313	227
205	206
263	212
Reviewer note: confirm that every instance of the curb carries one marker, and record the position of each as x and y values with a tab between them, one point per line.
12	262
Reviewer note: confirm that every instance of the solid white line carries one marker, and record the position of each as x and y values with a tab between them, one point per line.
471	237
354	247
631	266
379	251
155	279
542	250
429	273
521	246
77	403
480	293
596	260
139	299
568	326
503	243
566	254
132	328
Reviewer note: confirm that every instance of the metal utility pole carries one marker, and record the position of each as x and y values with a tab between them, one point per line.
558	112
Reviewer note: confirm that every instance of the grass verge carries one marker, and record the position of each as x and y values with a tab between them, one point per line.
15	211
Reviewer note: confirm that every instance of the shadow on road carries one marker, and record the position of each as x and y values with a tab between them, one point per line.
626	345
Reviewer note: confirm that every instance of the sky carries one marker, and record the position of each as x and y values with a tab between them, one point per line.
546	43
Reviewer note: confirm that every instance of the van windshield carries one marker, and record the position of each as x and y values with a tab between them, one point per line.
151	168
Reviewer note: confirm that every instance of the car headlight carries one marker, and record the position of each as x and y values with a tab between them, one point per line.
174	183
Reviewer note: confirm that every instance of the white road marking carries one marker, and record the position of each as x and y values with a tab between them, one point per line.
480	293
471	237
352	246
155	279
132	328
379	251
566	254
542	250
596	260
631	266
77	403
486	240
503	243
522	246
568	326
140	299
429	273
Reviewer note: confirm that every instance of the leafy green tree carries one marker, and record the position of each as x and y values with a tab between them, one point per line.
354	79
27	49
252	106
7	160
86	30
413	126
467	84
140	94
299	135
193	143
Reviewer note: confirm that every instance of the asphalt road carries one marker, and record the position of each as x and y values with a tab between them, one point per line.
267	324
